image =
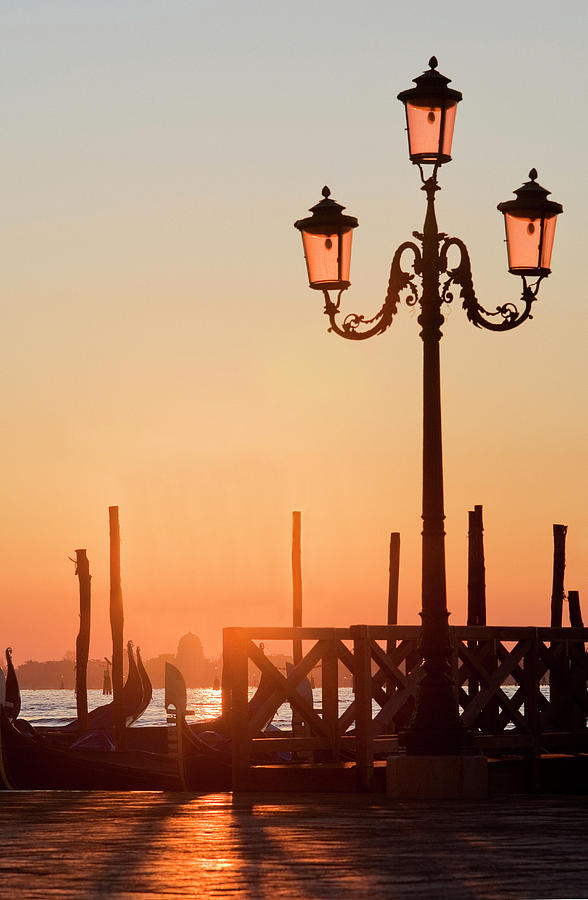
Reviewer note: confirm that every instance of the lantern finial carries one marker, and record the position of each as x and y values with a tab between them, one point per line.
433	62
533	174
326	192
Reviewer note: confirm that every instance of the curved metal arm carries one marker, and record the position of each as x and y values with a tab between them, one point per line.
461	277
398	282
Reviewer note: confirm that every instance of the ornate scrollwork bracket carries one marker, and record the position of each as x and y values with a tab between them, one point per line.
510	315
353	325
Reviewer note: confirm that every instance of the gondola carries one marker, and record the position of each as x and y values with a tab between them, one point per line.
45	759
146	685
137	692
12	688
29	762
134	692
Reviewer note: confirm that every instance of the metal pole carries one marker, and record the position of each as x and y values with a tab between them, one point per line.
434	728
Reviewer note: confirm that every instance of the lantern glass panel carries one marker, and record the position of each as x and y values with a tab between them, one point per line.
328	259
530	242
430	131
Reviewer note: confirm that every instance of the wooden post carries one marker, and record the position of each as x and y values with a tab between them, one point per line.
116	625
296	583
559	564
83	638
476	569
476	584
574	609
330	693
559	694
107	683
532	689
394	570
362	686
235	642
577	654
226	699
393	573
486	650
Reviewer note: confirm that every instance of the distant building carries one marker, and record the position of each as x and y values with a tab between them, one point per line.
190	660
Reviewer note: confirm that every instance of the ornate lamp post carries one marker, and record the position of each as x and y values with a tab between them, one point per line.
530	225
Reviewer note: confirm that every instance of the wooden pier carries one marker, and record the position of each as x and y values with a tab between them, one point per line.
73	845
383	663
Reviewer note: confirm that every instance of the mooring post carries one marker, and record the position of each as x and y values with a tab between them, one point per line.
116	625
83	638
559	564
486	650
577	654
330	691
226	678
296	583
393	574
575	610
236	642
476	569
532	689
362	681
558	676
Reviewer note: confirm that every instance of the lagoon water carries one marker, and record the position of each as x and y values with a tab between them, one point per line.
58	707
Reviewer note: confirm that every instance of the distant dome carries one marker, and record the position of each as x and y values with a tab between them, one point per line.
191	662
190	648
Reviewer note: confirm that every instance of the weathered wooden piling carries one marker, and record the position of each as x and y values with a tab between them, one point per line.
297	582
116	625
393	575
561	714
476	569
577	656
559	564
83	638
485	651
574	609
107	682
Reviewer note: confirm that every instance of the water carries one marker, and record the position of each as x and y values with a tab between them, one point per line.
59	707
54	708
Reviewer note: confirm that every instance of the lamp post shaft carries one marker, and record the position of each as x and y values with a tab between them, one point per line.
434	726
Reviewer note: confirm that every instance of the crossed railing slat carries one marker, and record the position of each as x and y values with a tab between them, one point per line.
483	666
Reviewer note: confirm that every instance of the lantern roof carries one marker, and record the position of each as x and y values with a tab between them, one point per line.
431	84
531	201
327	217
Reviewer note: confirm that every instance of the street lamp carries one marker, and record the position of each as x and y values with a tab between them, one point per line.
530	224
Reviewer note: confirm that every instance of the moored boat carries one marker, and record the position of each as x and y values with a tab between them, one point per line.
29	761
12	688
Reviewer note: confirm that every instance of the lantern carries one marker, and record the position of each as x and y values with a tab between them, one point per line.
530	228
430	116
326	237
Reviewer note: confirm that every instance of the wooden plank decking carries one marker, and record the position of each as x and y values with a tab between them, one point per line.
87	845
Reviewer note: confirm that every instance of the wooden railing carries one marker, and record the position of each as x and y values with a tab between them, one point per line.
501	675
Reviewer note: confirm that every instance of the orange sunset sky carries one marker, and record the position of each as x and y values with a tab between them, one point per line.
161	350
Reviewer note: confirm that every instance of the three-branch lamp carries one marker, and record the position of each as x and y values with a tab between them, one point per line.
430	117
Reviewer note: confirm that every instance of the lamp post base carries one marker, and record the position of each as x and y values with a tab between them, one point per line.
437	777
435	729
